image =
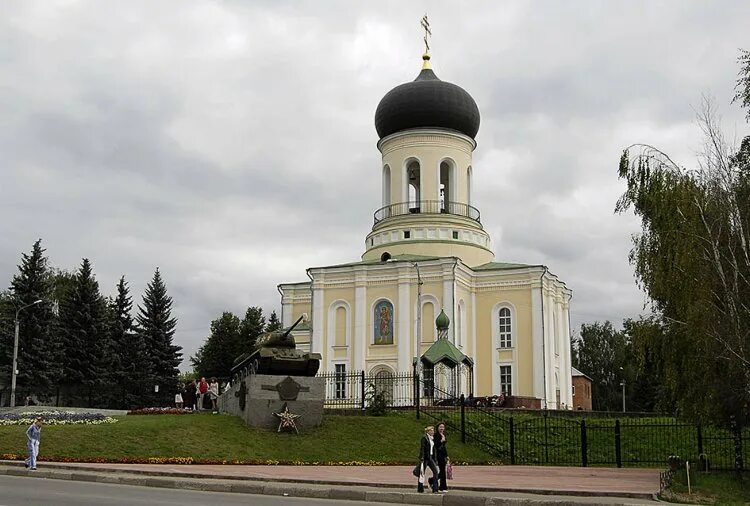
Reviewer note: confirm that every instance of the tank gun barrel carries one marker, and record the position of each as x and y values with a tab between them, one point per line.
289	330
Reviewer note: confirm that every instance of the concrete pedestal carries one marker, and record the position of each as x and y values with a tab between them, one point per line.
267	394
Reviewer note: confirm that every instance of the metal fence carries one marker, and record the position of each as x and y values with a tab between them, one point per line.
589	438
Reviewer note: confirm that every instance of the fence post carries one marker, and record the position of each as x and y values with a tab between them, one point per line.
463	419
546	444
584	445
618	449
416	393
512	442
362	377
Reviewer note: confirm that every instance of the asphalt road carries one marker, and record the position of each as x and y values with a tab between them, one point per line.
17	491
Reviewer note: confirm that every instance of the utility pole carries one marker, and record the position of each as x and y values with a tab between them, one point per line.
15	354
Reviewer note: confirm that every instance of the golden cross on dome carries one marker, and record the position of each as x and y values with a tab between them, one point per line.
427	33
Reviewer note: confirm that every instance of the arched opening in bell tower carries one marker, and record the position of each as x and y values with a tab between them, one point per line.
386	185
447	186
414	185
469	175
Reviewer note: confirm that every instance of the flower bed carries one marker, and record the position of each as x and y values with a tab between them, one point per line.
55	418
160	411
191	460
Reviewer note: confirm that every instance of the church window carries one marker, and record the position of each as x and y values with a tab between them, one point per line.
340	381
383	323
504	327
340	326
386	187
574	390
414	178
407	234
447	199
455	234
506	380
384	385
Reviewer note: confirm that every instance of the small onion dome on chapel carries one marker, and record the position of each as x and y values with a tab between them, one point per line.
427	102
442	322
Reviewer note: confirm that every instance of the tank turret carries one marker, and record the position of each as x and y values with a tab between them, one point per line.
276	353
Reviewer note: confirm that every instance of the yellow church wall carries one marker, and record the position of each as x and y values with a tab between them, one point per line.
470	254
487	350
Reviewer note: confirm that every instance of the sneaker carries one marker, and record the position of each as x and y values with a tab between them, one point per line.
33	468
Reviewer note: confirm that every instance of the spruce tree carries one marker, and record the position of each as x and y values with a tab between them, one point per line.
273	322
128	357
253	325
156	328
85	337
217	355
38	350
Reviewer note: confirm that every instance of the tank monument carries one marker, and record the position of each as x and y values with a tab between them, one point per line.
275	387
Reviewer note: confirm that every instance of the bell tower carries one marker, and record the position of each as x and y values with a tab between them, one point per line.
427	129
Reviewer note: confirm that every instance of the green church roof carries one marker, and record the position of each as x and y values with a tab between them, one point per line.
443	350
499	266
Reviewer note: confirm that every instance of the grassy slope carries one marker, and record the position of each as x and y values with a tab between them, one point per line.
712	488
394	438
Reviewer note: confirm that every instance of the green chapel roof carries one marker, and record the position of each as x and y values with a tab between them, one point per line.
443	350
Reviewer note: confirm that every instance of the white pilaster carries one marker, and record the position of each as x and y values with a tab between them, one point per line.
448	304
318	320
474	334
537	338
568	365
286	313
359	346
404	338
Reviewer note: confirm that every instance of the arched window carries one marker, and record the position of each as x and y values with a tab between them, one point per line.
386	186
340	326
505	328
383	323
413	181
384	384
447	186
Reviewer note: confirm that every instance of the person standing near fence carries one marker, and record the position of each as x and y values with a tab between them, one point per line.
441	452
33	436
202	391
427	460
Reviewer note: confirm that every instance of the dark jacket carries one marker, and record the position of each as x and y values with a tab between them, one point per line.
441	452
424	449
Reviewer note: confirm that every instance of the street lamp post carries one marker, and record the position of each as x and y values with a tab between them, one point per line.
622	384
15	354
418	348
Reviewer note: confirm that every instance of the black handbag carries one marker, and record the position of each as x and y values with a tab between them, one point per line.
417	471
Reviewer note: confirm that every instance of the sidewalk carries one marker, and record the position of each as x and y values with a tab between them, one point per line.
485	484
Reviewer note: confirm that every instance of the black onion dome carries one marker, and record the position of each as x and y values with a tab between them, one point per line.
427	102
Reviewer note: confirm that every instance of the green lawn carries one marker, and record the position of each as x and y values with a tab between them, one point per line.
710	488
389	439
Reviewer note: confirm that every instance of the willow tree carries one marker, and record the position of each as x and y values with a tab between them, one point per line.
692	258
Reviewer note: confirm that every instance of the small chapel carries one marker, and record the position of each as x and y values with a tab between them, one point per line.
428	288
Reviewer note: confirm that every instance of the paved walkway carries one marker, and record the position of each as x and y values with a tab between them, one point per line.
592	481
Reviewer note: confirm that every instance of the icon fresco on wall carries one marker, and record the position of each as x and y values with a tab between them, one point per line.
383	322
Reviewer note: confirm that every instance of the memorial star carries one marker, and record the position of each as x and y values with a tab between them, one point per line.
287	419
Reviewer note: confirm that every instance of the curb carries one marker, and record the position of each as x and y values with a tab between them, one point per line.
283	480
288	489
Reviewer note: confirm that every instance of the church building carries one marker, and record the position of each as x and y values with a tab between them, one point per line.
428	256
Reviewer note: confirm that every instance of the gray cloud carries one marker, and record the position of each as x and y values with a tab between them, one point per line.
232	143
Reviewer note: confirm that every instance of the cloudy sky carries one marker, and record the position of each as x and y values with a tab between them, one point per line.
231	143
